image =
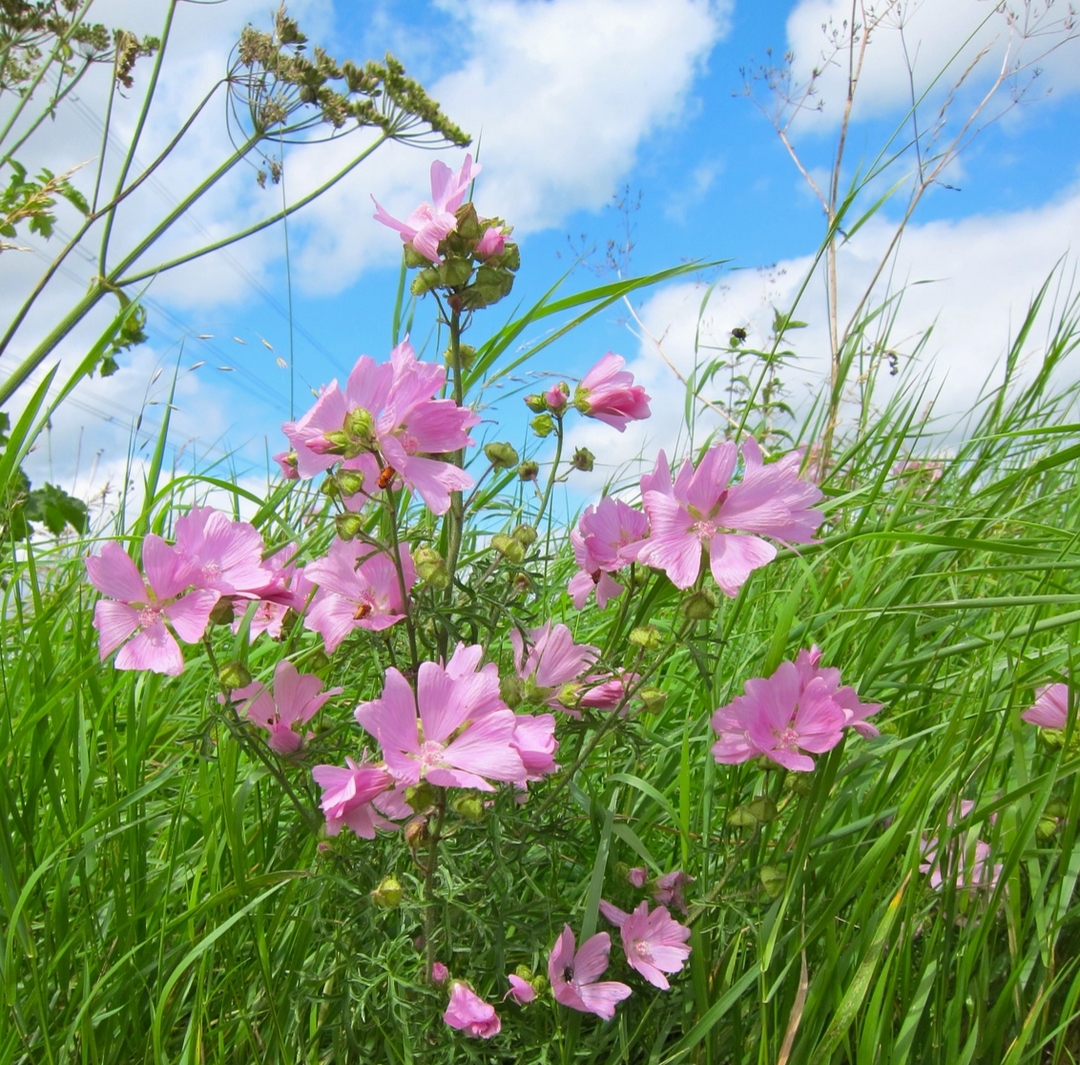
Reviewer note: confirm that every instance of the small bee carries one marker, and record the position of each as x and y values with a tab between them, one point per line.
386	477
362	612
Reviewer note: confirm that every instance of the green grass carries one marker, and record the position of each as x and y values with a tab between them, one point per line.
162	900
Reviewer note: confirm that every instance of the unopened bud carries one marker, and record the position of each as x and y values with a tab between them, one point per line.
424	281
1056	808
349	482
470	806
325	847
742	817
542	425
453	273
772	880
520	584
1053	738
416	832
502	456
653	699
800	783
430	567
523	972
764	809
348	525
647	636
223	613
1046	829
699	605
316	661
583	460
360	424
536	403
510	690
420	796
413	258
569	695
512	550
329	487
234	675
388	894
528	471
525	533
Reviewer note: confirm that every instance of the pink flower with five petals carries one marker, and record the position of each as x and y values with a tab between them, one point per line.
654	943
573	975
607	392
469	1013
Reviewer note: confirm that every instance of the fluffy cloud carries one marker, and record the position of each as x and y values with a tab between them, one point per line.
968	282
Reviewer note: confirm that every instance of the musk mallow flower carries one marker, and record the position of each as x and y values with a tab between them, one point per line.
432	222
573	975
358	795
965	860
552	661
469	1013
603	534
1051	707
140	608
654	943
607	392
808	664
294	700
226	555
448	733
358	588
703	510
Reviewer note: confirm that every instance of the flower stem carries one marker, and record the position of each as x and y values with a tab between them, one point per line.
429	884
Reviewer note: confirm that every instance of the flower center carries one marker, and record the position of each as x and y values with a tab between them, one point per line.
786	737
704	530
212	571
431	755
149	616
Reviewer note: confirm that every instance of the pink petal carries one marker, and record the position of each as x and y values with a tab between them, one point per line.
114	574
115	622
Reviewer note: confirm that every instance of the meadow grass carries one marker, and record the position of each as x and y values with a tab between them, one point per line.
165	899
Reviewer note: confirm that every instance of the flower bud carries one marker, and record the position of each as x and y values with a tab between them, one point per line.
454	273
699	605
556	397
1046	829
537	404
416	832
742	817
424	281
764	809
647	636
510	690
348	525
512	550
349	482
430	567
542	425
234	675
420	796
569	695
468	225
502	456
413	258
470	806
329	487
223	613
1053	738
653	699
1056	808
520	584
800	783
583	460
525	533
388	894
773	880
360	424
528	471
325	847
338	441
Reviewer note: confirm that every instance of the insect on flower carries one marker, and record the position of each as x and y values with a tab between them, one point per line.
386	477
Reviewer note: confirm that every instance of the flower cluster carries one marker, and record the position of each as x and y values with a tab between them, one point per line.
800	708
964	861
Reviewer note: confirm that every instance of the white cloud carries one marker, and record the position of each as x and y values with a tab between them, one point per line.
970	280
560	95
928	37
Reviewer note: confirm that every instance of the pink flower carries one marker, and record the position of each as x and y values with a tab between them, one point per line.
295	700
350	796
357	596
286	460
608	392
573	975
534	740
553	661
654	943
522	990
668	889
387	418
600	541
608	692
965	861
226	554
637	876
439	973
1051	709
270	613
432	222
142	607
779	718
855	712
471	1014
492	243
464	735
703	510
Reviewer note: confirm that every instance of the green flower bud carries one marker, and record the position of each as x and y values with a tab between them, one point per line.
316	661
525	533
742	817
468	225
430	567
520	584
1056	808
653	699
223	612
523	972
773	880
329	487
536	403
416	833
528	471
583	460
764	809
424	281
699	605
388	894
413	258
491	285
470	806
569	695
234	675
501	456
1046	829
511	549
510	690
338	440
511	257
420	796
348	525
542	425
800	783
454	273
1052	738
349	482
647	636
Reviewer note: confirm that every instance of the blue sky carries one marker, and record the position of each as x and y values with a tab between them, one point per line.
574	101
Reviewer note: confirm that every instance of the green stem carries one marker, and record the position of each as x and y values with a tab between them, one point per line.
554	469
429	884
455	516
